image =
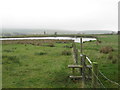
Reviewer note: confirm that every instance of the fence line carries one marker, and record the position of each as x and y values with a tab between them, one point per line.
95	73
98	79
108	78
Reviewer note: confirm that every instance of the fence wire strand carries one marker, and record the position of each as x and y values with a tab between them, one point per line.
101	74
109	79
98	79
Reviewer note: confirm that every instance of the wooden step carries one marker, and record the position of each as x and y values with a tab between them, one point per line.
75	77
78	66
75	66
88	66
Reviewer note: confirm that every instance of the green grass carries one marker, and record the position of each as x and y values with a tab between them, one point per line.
31	66
106	66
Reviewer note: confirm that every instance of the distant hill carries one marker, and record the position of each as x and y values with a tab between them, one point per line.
98	31
11	32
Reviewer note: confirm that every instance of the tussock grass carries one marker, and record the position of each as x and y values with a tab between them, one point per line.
65	52
37	70
8	51
10	59
40	53
107	61
106	49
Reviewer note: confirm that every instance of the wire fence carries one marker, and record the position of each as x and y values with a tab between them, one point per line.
99	73
109	79
102	75
98	79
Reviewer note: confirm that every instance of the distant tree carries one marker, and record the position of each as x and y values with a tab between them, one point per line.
55	33
113	32
44	33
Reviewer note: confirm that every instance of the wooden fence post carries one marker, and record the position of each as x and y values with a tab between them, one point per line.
81	45
94	74
81	54
74	46
83	70
75	50
76	56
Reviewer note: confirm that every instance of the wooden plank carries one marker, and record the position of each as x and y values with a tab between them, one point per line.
75	77
75	66
89	66
79	66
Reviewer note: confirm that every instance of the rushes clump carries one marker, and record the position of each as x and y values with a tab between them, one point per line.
8	50
10	60
51	45
106	49
40	53
66	52
66	46
113	57
110	56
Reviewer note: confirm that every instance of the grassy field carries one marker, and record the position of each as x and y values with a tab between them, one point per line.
108	63
45	66
30	66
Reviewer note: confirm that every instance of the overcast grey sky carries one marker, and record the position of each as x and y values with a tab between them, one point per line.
60	14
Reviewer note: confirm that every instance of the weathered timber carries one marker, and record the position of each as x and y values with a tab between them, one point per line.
75	66
83	70
81	45
79	66
94	74
75	77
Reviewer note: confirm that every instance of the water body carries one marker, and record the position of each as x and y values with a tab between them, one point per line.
51	38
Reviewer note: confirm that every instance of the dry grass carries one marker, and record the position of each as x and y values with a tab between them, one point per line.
35	42
106	49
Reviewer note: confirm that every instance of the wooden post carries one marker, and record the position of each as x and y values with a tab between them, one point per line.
81	45
94	74
81	53
76	56
74	46
89	73
83	70
75	50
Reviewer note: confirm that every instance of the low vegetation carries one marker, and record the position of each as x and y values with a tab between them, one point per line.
106	49
106	54
43	63
31	66
65	52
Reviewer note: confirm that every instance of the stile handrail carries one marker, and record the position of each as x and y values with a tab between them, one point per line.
88	60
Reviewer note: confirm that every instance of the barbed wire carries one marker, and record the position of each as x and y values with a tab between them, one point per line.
108	78
98	79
